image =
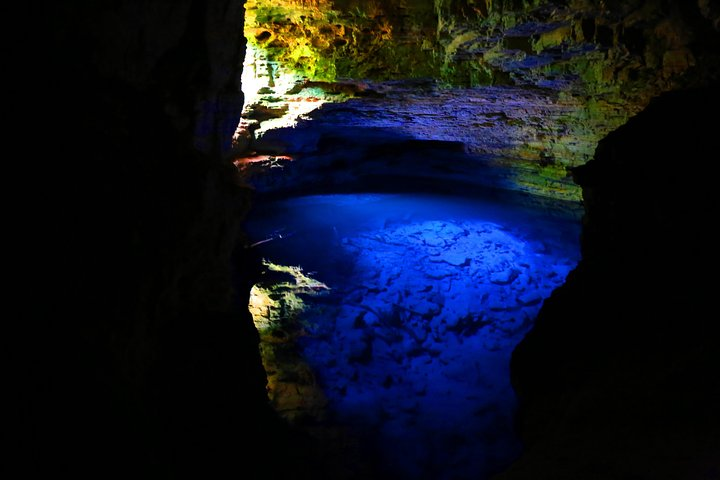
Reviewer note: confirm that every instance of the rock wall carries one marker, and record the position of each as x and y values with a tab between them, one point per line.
132	354
600	62
494	137
137	356
617	378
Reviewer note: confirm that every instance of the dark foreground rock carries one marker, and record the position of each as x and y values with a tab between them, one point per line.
618	378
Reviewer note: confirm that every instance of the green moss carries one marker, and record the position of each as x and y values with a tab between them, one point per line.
276	304
269	14
466	74
322	44
460	43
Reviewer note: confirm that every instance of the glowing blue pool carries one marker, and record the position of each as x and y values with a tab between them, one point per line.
427	296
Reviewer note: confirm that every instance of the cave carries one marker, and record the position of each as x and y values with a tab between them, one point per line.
509	198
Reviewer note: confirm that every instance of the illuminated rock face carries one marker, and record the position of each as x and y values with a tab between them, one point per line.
505	137
579	70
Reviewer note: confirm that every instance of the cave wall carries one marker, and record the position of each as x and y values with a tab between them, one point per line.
595	63
188	54
618	378
133	354
136	354
583	46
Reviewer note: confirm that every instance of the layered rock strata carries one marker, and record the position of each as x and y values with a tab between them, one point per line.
599	62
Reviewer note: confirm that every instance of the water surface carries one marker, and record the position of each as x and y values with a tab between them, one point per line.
426	297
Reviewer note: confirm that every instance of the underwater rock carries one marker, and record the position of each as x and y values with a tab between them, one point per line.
455	259
432	239
435	332
529	298
358	346
504	277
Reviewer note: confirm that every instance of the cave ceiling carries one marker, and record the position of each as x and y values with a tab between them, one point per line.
526	88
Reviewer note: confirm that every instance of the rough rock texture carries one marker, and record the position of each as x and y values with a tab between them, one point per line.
393	344
502	137
592	46
618	378
592	64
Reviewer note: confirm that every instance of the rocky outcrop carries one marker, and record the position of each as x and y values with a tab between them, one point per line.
592	65
501	137
617	378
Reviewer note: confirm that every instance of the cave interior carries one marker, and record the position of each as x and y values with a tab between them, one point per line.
351	239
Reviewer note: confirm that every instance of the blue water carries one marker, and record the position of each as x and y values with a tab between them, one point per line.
428	295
